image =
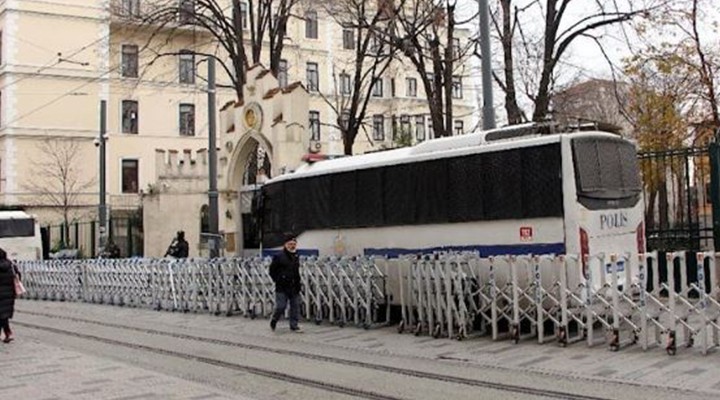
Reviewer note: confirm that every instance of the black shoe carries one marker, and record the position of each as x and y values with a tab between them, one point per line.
296	329
273	324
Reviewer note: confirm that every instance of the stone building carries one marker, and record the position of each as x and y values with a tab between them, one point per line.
60	58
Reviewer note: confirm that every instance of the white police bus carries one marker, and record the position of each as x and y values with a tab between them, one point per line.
20	236
518	190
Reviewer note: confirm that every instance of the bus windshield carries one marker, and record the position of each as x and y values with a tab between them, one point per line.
606	172
17	228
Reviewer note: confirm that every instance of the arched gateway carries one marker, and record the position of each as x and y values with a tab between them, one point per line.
257	139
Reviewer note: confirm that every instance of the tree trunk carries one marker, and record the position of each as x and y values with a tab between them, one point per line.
542	101
511	106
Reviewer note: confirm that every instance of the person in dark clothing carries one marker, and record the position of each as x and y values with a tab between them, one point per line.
285	272
179	248
111	250
7	294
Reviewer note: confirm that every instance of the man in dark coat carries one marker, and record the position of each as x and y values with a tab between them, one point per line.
179	248
7	294
285	272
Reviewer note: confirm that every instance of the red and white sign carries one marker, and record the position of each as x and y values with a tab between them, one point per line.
526	233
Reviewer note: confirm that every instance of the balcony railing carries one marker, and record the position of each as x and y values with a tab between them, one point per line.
153	11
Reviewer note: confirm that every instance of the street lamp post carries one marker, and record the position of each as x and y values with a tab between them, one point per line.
214	239
485	52
100	143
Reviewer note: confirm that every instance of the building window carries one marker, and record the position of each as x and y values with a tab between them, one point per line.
283	73
376	44
395	133
420	128
405	125
377	90
411	87
130	8
129	61
430	130
378	128
130	176
459	127
312	77
348	39
130	116
187	11
311	25
315	125
187	120
344	119
456	48
344	84
457	92
187	66
244	15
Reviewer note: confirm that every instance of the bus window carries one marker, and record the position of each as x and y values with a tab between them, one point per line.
606	173
17	228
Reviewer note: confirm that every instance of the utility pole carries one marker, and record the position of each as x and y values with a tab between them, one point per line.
100	142
214	239
485	53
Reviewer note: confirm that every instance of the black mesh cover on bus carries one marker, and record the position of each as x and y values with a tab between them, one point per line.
502	184
431	191
343	200
272	215
542	190
511	184
369	190
466	194
400	195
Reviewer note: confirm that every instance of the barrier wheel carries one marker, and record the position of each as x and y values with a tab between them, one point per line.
671	351
437	331
366	326
418	329
562	337
318	321
401	327
691	342
515	335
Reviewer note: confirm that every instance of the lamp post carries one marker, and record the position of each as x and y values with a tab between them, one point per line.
485	52
100	143
214	239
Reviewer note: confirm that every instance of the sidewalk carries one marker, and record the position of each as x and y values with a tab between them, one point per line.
688	370
35	371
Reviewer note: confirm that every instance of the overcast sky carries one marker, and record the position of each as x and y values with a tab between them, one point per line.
584	59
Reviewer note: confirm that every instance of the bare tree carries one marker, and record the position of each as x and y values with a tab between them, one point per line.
561	29
259	24
59	182
424	31
356	79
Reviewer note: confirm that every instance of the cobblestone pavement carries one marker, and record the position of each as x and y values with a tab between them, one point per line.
68	373
33	370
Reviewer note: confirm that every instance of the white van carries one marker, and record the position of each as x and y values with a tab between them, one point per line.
20	236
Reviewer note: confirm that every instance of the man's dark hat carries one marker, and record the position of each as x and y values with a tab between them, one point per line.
288	237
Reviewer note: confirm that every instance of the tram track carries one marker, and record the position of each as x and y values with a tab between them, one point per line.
471	382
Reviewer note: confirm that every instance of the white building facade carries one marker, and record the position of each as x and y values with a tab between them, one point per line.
61	58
